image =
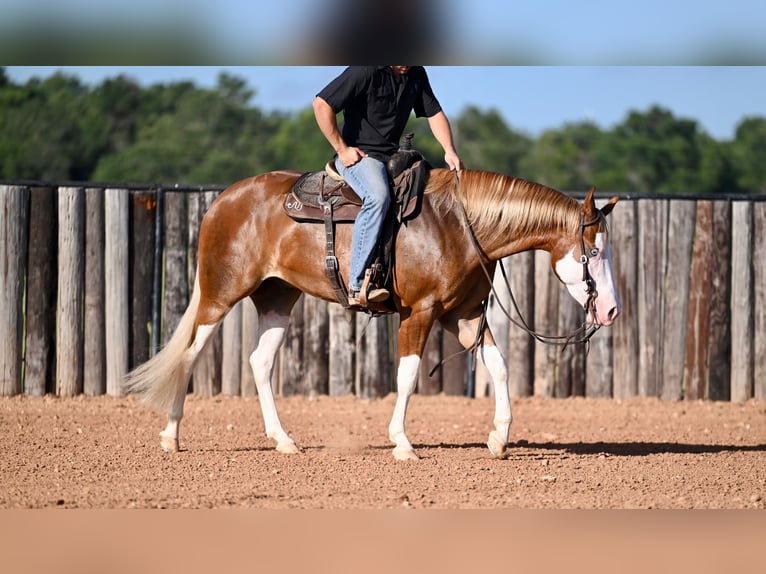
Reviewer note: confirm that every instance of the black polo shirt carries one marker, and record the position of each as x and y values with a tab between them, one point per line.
376	105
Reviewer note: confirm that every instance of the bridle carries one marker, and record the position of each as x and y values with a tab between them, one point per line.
582	334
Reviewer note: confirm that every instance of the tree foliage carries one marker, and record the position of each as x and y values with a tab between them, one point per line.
61	129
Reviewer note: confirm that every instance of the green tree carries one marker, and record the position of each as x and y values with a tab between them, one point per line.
567	159
747	153
41	132
656	152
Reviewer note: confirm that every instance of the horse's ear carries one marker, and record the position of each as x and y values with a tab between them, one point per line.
589	205
607	209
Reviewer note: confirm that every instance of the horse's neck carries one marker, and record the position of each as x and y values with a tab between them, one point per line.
527	223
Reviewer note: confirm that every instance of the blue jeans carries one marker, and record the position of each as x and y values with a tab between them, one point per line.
369	179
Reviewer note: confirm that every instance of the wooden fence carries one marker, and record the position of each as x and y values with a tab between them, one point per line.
93	279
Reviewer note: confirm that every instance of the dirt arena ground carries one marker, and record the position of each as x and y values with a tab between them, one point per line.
567	453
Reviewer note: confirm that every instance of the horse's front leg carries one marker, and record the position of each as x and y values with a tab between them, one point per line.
406	380
413	332
498	438
466	330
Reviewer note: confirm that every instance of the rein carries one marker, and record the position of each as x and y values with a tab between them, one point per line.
581	335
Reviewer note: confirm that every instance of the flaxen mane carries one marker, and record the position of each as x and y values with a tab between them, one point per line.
498	204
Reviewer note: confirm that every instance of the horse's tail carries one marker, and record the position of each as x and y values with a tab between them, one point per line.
159	379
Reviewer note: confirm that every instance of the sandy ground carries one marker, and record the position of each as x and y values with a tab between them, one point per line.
567	453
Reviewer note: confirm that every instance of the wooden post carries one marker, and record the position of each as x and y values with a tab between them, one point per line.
521	346
453	372
116	239
94	369
71	291
143	210
291	355
599	368
249	342
624	332
176	297
719	342
431	385
742	302
373	363
231	359
546	322
570	361
342	350
698	322
652	215
759	300
42	267
676	296
316	346
14	225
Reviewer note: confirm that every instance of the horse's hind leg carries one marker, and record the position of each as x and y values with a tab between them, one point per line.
169	436
465	330
274	301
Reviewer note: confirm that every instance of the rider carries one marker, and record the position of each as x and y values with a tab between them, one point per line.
376	103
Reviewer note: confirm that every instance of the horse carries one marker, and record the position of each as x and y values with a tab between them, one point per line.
248	247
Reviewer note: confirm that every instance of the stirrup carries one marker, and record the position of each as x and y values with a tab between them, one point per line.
370	293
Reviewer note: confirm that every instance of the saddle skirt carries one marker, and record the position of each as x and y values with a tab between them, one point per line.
316	195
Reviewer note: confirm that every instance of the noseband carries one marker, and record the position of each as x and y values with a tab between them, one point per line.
590	284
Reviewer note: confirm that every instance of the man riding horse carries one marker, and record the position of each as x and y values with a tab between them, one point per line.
376	103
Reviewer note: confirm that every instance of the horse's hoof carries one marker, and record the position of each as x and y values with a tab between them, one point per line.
405	454
497	447
169	444
288	448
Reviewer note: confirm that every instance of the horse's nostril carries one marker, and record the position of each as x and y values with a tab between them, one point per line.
613	312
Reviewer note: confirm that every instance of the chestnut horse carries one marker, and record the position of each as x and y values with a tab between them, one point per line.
248	247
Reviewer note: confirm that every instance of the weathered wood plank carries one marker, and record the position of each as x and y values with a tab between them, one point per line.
14	225
116	239
431	385
94	372
249	342
676	296
453	372
176	229
698	322
342	351
569	377
625	330
374	376
759	299
143	210
231	353
291	355
42	269
719	341
652	216
599	368
521	346
742	302
70	329
545	322
316	339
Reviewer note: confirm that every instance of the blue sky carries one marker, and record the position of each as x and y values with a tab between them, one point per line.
565	32
530	98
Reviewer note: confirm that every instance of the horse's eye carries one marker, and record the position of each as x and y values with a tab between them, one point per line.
594	252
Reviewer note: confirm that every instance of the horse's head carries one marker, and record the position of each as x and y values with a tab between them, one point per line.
583	262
